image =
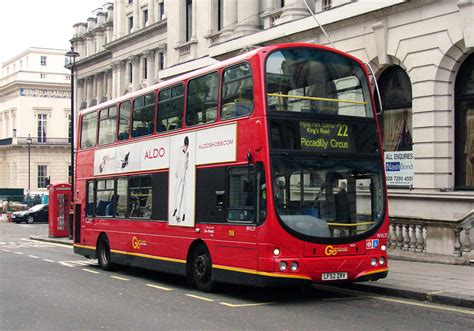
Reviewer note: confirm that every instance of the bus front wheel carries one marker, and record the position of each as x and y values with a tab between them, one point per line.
103	254
202	270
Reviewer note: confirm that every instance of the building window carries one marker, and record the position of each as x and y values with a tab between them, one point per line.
69	174
42	175
130	70
161	60
397	123
327	4
161	10
145	17
130	24
189	19
69	131
464	125
130	1
220	15
43	76
43	60
145	68
42	128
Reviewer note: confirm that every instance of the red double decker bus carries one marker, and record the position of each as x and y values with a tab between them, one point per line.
264	169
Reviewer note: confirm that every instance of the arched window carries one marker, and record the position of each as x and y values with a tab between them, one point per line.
464	125
395	92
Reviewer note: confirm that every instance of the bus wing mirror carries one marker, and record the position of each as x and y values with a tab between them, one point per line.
371	73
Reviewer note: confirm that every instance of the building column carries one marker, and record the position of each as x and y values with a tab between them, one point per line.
115	79
99	79
151	12
247	18
109	79
89	89
136	15
79	94
150	58
119	15
293	10
135	60
230	17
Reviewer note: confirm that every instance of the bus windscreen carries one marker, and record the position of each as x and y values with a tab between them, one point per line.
316	81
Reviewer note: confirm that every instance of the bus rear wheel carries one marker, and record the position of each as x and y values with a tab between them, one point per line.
103	254
202	270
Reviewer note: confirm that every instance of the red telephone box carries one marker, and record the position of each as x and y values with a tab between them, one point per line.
59	207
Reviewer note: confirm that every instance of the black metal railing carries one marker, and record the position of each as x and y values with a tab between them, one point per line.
35	141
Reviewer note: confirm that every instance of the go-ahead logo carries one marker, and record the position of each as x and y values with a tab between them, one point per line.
137	243
330	250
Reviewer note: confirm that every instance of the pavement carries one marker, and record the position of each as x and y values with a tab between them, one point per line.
446	284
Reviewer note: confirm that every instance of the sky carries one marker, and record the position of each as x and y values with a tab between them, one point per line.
40	23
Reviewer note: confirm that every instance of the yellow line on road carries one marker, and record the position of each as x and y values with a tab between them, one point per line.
426	305
245	304
200	298
91	271
160	287
120	278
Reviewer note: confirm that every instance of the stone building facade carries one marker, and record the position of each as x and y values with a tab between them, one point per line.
35	116
421	52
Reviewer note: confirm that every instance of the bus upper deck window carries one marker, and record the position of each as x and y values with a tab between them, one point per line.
237	92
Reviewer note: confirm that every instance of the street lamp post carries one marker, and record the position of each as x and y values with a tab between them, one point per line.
72	64
28	142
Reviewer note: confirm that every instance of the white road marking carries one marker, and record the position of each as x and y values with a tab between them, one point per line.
19	253
72	264
245	304
91	271
199	298
48	260
160	287
120	278
33	256
6	250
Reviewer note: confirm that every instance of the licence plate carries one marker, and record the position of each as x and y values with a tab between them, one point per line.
334	275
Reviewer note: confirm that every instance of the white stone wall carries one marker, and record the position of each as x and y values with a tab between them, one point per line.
24	94
428	39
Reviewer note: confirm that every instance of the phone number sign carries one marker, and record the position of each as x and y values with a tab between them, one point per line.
399	168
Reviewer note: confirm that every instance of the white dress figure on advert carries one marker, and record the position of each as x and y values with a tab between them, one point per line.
180	184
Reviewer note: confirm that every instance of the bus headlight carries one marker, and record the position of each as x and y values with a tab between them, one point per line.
294	266
373	262
276	251
382	260
383	248
283	266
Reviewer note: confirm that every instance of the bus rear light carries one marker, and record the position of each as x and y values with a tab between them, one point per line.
276	251
283	266
294	266
382	260
373	262
383	248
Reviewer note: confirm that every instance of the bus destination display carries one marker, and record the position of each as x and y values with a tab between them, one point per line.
326	137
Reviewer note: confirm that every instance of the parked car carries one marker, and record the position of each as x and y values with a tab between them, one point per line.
38	213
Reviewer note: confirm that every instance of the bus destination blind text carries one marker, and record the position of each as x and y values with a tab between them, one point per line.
325	137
